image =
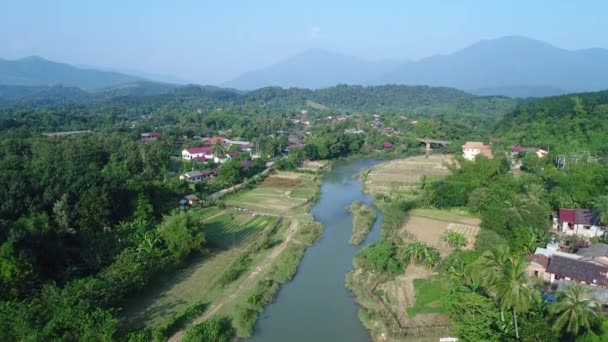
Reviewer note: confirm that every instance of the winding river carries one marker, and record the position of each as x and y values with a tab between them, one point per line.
315	305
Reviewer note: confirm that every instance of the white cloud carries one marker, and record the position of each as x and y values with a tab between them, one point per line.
315	32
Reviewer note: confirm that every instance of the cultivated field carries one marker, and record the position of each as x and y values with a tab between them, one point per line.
277	194
428	225
225	228
403	176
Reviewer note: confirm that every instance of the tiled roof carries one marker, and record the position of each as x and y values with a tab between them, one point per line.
578	270
197	150
579	216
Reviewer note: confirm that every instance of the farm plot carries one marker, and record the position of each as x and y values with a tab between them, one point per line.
403	176
277	194
225	228
429	230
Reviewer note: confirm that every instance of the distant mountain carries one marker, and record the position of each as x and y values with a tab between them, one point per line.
313	69
510	66
507	63
138	88
37	71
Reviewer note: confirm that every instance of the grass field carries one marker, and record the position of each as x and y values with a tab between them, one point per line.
172	292
225	228
429	295
277	194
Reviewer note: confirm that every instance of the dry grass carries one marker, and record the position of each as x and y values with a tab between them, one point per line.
404	175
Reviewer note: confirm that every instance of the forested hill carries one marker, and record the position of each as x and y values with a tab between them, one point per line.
574	122
438	100
343	98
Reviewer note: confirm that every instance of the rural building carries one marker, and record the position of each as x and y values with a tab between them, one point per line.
192	176
579	222
540	153
589	266
387	145
195	152
471	149
190	200
150	136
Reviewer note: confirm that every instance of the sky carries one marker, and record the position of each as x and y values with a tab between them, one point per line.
210	42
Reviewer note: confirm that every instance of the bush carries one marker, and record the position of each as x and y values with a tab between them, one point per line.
215	329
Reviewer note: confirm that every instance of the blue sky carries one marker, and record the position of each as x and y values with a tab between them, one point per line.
213	41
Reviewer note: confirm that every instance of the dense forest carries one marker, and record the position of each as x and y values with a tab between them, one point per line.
568	123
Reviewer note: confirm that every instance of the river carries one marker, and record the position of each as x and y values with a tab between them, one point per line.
315	305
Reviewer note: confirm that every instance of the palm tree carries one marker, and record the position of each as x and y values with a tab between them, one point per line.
535	192
217	149
601	206
512	289
574	309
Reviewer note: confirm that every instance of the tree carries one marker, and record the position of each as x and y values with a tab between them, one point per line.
181	234
512	289
574	310
217	148
601	206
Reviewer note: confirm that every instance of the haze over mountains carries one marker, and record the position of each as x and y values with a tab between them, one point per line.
511	66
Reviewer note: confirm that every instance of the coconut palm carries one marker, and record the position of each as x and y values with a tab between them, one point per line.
574	309
217	149
512	289
535	193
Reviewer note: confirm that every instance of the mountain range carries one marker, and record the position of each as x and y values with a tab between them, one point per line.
511	66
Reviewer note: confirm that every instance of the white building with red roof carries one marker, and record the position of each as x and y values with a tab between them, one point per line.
197	152
472	149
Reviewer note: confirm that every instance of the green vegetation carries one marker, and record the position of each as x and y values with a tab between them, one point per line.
454	239
363	219
215	329
429	295
567	123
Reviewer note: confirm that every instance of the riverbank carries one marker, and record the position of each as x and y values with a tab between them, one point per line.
363	219
255	252
393	305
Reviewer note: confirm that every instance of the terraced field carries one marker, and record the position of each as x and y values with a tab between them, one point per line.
225	228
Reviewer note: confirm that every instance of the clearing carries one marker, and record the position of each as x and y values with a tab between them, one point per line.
277	194
403	176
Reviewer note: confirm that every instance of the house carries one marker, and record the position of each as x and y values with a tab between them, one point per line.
209	173
201	159
471	149
192	176
552	266
579	222
540	153
190	200
194	152
150	136
387	145
221	159
342	117
596	253
578	270
213	140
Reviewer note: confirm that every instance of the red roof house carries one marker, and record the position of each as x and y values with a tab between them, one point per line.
388	145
